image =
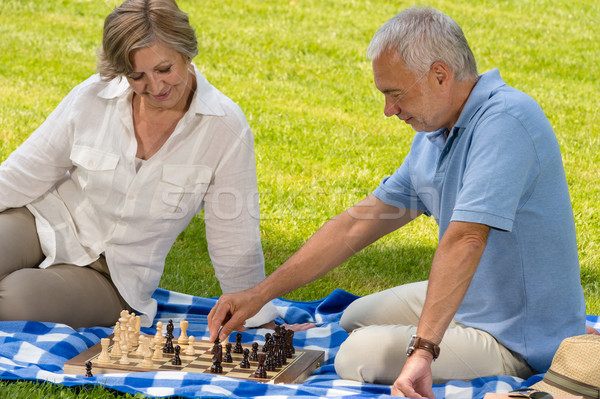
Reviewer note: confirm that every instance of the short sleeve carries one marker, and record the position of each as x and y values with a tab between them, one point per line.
397	190
500	170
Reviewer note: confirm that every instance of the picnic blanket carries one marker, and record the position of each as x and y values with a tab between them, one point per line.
37	351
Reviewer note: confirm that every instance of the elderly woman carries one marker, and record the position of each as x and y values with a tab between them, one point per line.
91	203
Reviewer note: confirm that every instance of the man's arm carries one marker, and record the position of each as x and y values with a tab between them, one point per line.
338	239
454	264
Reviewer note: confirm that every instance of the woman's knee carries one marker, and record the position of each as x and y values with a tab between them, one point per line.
72	295
19	241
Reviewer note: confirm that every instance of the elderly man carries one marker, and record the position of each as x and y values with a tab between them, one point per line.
504	286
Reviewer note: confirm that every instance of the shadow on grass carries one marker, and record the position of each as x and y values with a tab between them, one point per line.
188	268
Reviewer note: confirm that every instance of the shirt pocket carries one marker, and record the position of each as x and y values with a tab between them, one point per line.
94	172
180	190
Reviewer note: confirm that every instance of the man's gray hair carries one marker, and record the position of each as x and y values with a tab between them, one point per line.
423	36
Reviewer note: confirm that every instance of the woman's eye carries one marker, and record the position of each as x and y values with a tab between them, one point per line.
135	77
165	70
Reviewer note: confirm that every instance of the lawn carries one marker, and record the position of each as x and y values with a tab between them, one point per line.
298	70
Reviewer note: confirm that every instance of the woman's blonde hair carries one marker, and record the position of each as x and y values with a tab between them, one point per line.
136	24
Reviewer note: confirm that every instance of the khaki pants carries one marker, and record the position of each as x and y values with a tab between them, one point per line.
74	295
381	326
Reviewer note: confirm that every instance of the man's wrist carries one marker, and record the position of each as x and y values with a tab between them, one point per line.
424	344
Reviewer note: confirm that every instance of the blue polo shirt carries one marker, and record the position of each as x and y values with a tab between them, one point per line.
501	166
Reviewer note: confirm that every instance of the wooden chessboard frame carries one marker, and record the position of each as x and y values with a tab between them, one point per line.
297	369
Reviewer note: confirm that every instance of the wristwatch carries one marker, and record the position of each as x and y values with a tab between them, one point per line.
421	343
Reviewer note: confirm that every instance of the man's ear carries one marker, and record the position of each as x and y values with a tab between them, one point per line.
442	74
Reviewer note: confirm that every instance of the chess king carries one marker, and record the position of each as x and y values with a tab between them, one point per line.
92	201
504	287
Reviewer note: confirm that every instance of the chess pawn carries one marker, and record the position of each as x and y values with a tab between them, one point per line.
116	349
260	371
254	353
176	359
88	369
142	345
124	358
158	335
183	337
238	344
147	359
104	356
190	351
245	364
227	358
158	353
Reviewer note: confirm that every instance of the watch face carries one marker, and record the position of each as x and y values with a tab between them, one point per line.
411	348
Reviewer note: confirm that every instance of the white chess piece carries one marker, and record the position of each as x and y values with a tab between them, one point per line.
104	356
124	358
190	348
116	349
182	341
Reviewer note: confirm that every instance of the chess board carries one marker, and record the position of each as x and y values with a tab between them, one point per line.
297	369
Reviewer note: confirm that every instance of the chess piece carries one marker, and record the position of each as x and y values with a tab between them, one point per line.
176	359
289	343
142	345
124	358
238	344
254	353
245	364
158	352
168	348
183	337
158	336
147	362
216	366
190	351
116	349
267	342
217	358
148	354
227	358
88	369
104	356
170	329
260	371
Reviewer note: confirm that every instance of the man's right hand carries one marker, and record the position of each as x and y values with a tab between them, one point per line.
231	312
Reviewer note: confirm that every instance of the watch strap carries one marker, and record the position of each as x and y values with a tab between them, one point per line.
422	343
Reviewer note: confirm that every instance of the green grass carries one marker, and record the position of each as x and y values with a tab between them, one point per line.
299	72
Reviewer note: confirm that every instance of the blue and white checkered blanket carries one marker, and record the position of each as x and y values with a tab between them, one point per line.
38	351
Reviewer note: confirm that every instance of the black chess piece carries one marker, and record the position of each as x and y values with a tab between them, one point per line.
269	362
216	366
168	348
254	353
227	358
238	344
267	340
176	359
88	369
245	364
217	358
289	343
260	371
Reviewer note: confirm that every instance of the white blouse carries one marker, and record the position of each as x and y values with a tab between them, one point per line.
77	174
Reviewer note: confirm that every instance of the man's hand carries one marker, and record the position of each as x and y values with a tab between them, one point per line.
415	380
591	330
231	313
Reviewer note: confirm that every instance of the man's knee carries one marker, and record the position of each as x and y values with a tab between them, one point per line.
373	354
